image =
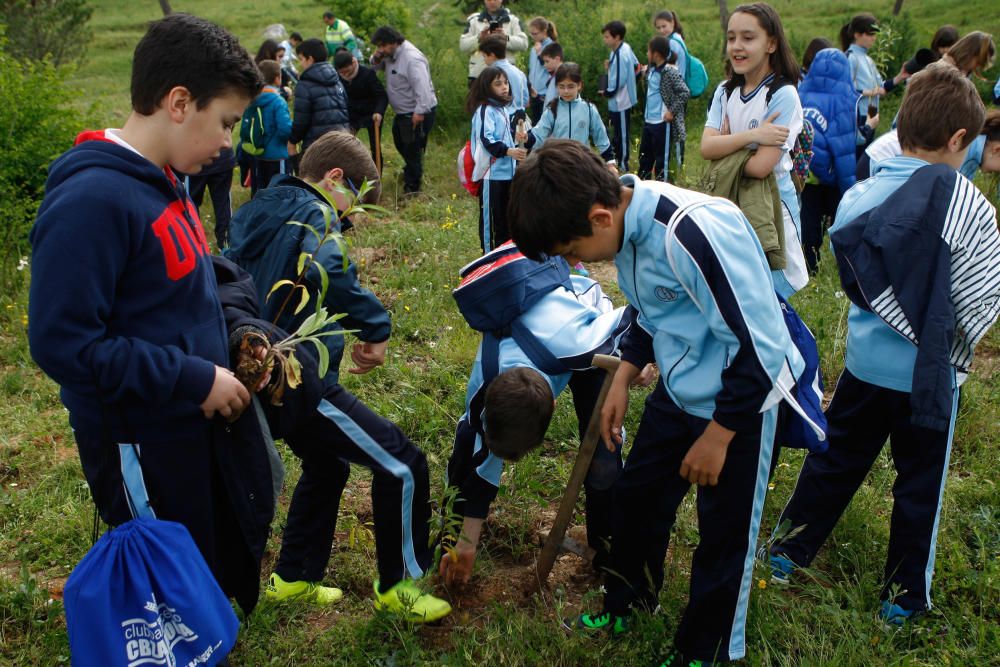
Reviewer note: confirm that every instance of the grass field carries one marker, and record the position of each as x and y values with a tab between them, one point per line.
410	258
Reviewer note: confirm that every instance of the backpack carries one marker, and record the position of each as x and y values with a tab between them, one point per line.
804	425
695	74
802	149
253	131
466	165
495	290
143	594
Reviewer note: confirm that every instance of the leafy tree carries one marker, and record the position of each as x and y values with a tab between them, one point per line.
47	29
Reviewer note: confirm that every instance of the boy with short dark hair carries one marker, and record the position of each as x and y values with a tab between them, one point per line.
366	97
692	267
910	335
334	429
552	58
124	313
320	98
657	127
620	89
494	50
267	115
507	415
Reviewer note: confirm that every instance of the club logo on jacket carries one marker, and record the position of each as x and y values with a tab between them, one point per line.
183	242
665	293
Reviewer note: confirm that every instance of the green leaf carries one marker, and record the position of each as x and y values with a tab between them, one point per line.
324	285
275	286
302	262
324	356
303	300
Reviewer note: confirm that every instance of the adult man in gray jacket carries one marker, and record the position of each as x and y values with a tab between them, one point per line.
495	19
411	94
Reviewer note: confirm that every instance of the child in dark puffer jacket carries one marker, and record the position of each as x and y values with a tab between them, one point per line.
829	102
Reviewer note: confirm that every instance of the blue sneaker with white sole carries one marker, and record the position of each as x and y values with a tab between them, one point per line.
781	569
893	616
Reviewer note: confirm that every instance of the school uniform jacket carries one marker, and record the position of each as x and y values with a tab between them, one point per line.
621	92
707	309
938	221
574	326
492	135
538	76
578	120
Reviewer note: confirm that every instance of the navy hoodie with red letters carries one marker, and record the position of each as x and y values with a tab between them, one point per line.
123	312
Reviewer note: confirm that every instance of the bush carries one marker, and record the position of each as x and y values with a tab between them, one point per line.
364	17
34	100
47	29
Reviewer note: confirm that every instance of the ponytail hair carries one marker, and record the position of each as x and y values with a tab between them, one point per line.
565	71
546	26
667	15
858	23
782	61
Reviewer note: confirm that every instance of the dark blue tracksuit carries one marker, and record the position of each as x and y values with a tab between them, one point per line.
328	428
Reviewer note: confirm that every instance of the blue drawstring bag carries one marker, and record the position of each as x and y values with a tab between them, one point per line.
143	595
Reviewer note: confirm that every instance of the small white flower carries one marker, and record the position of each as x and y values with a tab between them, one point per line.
838	295
22	264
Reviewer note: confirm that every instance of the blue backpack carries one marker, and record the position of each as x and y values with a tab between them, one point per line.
805	425
496	290
143	595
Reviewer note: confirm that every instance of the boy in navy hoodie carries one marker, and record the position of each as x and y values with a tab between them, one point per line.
910	347
124	313
341	429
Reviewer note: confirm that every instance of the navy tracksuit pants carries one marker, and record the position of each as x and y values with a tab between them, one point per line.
654	151
646	498
621	124
861	417
493	228
344	430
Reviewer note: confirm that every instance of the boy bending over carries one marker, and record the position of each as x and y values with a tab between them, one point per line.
507	416
692	267
333	428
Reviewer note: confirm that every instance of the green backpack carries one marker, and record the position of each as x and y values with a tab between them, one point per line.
253	133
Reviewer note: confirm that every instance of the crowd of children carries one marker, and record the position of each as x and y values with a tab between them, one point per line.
140	325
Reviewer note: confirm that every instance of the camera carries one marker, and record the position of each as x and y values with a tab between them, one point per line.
494	26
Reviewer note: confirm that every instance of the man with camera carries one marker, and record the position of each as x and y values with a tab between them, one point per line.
495	19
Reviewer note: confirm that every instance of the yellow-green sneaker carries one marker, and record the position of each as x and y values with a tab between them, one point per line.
407	599
279	590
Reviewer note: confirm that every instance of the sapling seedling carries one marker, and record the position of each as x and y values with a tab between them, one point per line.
280	357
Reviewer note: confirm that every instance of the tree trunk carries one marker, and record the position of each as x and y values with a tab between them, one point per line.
165	6
724	22
898	7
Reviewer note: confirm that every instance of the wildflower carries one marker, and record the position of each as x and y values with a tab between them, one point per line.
838	295
406	308
770	486
762	584
22	264
454	196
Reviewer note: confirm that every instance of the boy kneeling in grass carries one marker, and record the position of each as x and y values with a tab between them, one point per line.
692	267
910	336
332	428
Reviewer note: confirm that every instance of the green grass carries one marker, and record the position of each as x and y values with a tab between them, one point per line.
410	258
